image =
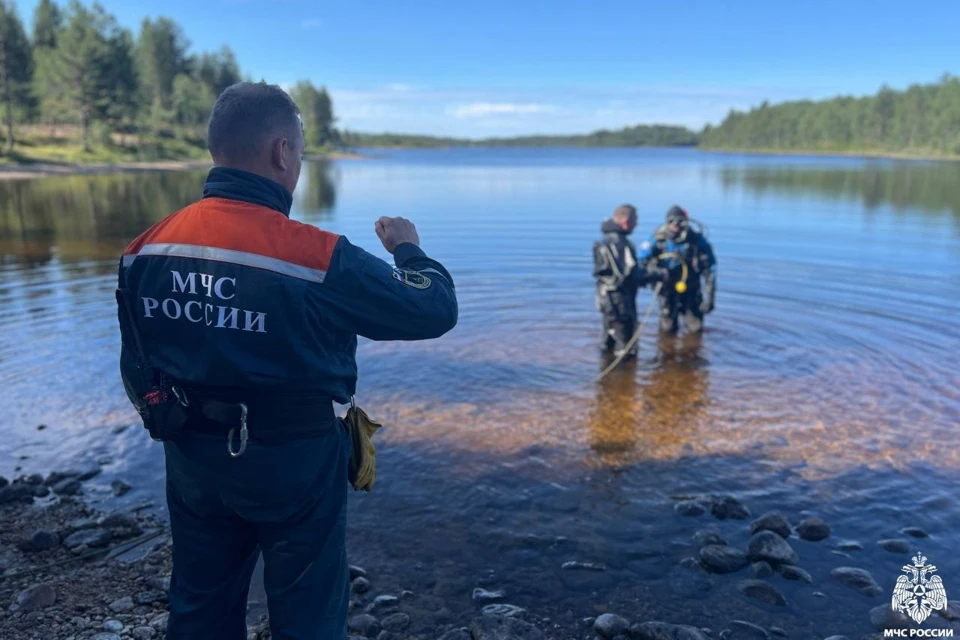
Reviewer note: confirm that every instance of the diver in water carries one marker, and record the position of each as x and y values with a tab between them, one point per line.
619	275
688	258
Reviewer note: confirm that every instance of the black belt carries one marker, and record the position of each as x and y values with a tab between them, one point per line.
272	419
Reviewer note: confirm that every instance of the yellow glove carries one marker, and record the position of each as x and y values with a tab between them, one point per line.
363	461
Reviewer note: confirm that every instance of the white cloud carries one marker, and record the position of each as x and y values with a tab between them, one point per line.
480	112
479	109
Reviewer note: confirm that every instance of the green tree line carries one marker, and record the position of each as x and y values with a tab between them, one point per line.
924	119
79	68
636	136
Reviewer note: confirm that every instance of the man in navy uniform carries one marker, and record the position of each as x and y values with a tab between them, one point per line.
239	331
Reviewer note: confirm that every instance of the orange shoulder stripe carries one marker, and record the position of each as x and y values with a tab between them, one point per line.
240	226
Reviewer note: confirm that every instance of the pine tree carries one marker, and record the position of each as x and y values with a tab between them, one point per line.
47	22
120	101
160	57
47	25
16	68
316	110
78	65
218	70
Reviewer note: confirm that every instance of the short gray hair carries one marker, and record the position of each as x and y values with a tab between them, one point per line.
246	115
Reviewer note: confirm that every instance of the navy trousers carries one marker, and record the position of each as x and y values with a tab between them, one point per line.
286	501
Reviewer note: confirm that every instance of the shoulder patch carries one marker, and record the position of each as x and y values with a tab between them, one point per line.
411	278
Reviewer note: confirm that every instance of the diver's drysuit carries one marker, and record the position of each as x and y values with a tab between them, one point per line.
688	257
619	276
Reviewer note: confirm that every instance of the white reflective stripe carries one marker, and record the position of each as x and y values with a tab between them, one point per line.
431	270
229	255
613	263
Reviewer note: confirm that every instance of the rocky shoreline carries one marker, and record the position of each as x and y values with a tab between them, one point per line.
69	572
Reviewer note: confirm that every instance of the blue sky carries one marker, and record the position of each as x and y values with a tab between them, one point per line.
506	67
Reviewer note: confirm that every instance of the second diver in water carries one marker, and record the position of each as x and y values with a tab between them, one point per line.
688	257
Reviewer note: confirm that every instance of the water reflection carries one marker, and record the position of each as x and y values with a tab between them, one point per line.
95	217
641	409
84	217
615	420
932	187
675	395
316	194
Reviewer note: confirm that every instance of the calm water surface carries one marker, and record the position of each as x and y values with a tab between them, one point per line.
826	381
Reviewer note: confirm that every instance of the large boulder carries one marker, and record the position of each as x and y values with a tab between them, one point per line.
768	546
895	545
791	572
728	507
41	540
772	521
722	559
703	537
364	624
610	625
94	538
860	580
813	529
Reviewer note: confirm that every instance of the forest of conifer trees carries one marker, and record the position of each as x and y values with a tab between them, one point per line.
79	78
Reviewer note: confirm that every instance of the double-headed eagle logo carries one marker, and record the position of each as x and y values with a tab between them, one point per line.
918	593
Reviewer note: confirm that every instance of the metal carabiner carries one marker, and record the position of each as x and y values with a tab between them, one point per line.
243	434
180	396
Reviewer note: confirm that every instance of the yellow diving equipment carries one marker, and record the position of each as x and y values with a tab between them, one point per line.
681	285
362	471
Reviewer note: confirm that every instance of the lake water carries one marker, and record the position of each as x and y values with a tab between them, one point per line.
826	381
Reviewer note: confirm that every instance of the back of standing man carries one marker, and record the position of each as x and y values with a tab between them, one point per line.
619	276
239	332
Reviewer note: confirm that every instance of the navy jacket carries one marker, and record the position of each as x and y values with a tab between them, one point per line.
230	294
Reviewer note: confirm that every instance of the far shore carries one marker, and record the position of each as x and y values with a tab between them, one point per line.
24	171
887	155
873	155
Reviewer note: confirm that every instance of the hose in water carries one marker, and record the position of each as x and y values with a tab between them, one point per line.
636	335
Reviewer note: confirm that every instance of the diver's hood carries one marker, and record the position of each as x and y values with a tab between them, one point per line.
611	226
